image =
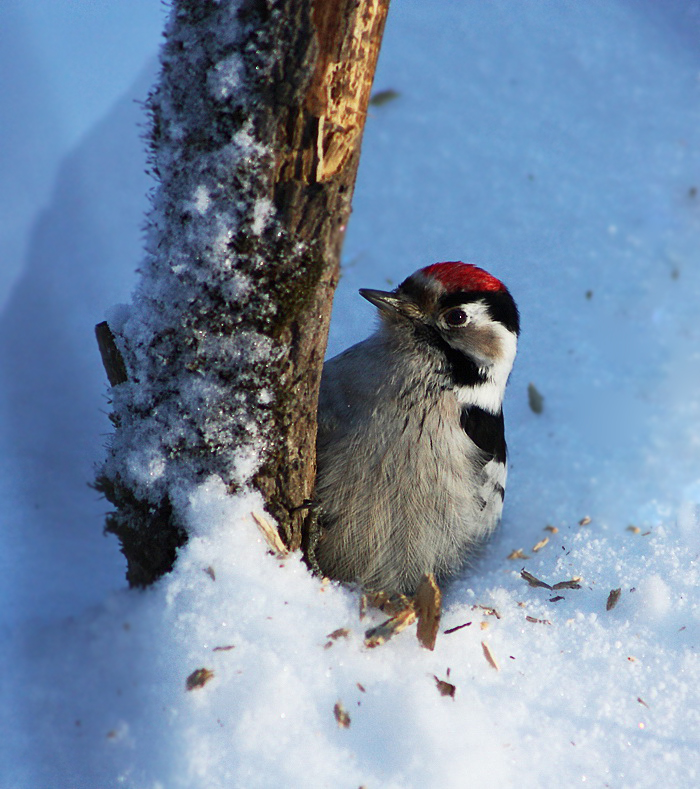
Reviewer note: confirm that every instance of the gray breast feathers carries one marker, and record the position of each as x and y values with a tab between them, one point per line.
403	489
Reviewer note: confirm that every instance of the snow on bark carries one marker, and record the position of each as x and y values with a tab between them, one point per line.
199	363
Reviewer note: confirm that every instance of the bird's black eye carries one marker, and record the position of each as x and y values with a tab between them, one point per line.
456	317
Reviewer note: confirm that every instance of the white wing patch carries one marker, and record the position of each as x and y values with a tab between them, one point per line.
492	492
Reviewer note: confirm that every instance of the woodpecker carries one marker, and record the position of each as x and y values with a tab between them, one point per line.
411	446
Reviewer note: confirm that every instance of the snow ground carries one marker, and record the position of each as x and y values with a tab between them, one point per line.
555	144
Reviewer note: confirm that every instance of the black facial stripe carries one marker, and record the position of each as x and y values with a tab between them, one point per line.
486	430
461	370
500	305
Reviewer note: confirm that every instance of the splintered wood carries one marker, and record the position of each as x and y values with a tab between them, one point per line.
428	604
270	535
376	636
340	86
425	607
388	603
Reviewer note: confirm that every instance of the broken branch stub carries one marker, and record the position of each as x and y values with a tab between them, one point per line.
112	359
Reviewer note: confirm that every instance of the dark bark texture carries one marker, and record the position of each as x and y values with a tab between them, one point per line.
305	70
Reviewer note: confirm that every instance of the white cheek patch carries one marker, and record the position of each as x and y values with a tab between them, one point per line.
488	340
489	395
509	346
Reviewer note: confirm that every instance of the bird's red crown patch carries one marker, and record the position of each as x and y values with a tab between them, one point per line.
455	276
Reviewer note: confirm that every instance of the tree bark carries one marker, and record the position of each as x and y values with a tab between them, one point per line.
257	124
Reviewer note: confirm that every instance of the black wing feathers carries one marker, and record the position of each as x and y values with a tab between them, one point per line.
486	430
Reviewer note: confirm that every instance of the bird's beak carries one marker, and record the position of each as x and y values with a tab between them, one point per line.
384	300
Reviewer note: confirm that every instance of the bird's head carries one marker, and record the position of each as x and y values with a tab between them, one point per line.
462	312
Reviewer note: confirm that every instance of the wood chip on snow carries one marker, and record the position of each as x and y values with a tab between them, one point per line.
428	604
489	655
445	688
455	628
613	598
341	632
487	609
573	583
198	678
538	621
530	578
341	716
376	636
539	545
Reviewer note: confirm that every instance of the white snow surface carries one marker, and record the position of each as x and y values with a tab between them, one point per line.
556	145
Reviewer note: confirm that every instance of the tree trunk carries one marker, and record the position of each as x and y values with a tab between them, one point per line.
257	125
